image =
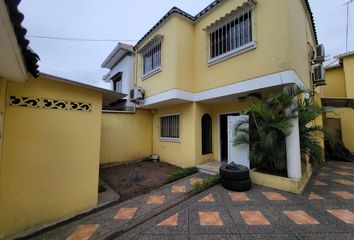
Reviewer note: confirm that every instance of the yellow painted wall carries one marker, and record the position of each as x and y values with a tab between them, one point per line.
126	137
177	153
336	87
282	44
301	41
270	56
50	158
346	115
348	66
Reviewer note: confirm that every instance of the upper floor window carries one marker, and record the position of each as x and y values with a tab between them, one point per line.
152	59
117	82
232	35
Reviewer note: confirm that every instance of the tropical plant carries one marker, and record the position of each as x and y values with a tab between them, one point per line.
270	122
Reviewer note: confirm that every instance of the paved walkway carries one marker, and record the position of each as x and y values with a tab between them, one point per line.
125	215
324	211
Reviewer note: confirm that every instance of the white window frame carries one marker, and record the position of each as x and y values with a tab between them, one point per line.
157	53
170	139
236	14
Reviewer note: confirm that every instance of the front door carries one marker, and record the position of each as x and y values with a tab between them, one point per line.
239	154
224	136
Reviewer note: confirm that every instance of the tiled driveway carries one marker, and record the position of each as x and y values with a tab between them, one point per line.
324	211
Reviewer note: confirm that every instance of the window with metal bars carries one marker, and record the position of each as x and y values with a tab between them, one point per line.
152	59
170	127
206	134
232	35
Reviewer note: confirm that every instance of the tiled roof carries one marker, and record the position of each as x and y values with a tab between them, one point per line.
29	56
176	10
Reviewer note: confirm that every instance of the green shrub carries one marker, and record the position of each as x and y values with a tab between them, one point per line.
182	173
206	184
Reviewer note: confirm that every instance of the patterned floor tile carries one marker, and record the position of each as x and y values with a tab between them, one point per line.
156	199
210	219
323	174
301	218
171	221
344	182
125	213
254	218
344	194
344	215
314	196
238	197
320	183
178	189
194	181
84	232
344	173
207	198
274	196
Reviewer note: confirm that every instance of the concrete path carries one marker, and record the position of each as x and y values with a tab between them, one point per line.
122	217
324	211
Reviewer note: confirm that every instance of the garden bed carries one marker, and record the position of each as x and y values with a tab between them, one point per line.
134	179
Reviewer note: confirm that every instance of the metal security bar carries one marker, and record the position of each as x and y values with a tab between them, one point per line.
169	127
152	59
232	35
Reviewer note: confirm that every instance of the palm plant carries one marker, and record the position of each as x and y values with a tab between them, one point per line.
270	123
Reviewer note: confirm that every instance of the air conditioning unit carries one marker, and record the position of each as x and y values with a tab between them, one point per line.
318	75
137	95
319	54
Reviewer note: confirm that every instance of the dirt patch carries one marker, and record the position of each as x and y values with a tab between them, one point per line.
134	179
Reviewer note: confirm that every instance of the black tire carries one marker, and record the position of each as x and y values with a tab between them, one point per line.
238	186
234	174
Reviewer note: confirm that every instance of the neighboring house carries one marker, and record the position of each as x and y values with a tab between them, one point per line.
121	63
197	71
50	130
338	95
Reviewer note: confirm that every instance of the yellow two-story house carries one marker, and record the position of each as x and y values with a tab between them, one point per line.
339	96
193	72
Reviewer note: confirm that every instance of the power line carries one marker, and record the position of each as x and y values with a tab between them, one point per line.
80	39
347	30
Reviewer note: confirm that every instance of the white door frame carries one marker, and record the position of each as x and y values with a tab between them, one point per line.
219	135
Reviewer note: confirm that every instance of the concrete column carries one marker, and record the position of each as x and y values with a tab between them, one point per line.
293	153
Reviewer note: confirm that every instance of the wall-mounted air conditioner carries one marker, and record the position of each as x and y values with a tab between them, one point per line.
137	95
318	55
318	75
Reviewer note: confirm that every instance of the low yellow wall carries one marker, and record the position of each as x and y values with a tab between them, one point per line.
126	137
50	163
346	115
336	87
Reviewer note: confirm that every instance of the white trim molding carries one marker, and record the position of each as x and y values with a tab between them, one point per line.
268	81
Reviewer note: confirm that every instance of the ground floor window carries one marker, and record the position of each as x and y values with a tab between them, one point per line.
170	127
206	134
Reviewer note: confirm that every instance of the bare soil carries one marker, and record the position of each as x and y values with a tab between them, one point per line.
134	179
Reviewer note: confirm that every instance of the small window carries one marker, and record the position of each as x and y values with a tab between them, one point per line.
232	35
207	134
152	59
117	82
170	127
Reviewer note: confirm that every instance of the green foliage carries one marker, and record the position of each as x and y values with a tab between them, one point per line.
270	123
207	183
182	173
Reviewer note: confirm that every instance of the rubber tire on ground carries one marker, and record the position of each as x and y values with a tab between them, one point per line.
238	186
234	175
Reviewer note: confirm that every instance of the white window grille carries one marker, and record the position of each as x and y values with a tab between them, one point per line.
152	59
170	127
232	35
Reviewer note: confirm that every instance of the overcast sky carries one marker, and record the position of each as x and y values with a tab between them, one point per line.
128	21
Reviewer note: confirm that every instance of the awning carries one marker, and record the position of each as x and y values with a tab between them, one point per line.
338	102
